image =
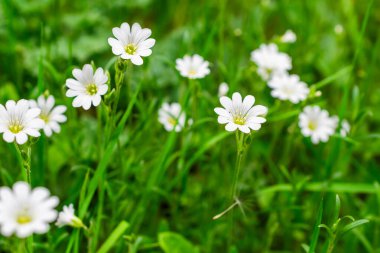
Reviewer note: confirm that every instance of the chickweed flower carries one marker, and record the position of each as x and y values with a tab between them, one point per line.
87	87
241	114
288	37
24	211
18	120
270	61
345	129
172	117
67	217
51	115
131	43
288	87
317	124
193	67
223	89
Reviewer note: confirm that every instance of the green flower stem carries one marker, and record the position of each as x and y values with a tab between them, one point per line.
120	68
25	157
239	157
234	189
331	246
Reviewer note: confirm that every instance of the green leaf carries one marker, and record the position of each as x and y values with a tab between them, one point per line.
175	243
315	235
115	235
337	208
353	225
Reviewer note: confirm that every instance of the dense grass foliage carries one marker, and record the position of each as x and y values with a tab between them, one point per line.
139	188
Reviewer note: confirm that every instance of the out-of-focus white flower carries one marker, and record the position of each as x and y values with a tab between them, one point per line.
288	37
24	211
51	115
288	87
87	87
193	67
131	43
270	61
223	89
67	218
317	124
172	117
338	29
18	120
240	114
345	129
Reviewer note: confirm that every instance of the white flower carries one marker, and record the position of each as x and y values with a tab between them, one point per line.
223	89
17	121
345	129
24	211
172	117
241	114
87	87
49	114
317	124
67	217
270	61
288	87
131	43
192	67
288	37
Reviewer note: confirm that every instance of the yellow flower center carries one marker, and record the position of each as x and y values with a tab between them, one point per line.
239	120
192	72
23	219
172	121
15	127
312	125
44	117
130	49
92	89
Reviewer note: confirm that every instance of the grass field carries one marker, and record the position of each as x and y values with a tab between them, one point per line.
137	187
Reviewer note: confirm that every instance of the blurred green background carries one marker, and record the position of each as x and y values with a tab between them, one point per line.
283	176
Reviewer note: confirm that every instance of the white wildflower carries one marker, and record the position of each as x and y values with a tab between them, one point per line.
87	87
317	124
18	120
223	89
288	87
24	211
241	114
193	67
131	43
51	115
270	61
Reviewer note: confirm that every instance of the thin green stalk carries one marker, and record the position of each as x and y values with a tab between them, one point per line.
331	246
239	157
234	189
25	158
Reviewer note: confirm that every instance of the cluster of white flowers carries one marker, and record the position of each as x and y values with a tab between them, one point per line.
273	67
22	118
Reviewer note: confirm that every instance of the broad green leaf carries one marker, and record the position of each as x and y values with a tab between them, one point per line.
175	243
